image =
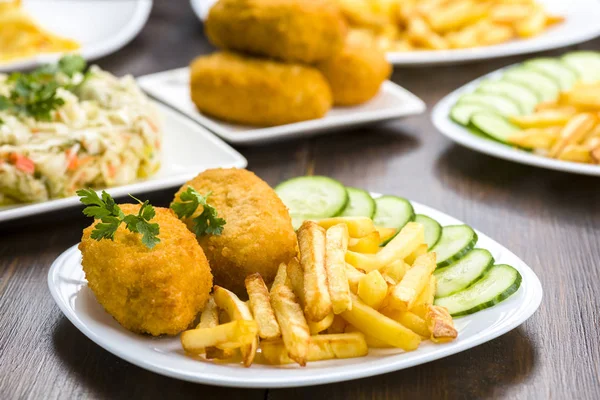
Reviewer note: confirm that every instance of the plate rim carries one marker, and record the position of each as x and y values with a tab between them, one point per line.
450	57
440	117
143	186
120	39
413	105
526	311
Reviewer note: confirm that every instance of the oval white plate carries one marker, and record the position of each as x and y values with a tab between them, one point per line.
173	88
188	149
580	25
440	116
101	27
165	356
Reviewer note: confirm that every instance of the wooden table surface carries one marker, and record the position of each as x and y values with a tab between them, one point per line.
550	219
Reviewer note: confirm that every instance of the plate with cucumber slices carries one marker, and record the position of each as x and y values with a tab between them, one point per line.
481	115
486	288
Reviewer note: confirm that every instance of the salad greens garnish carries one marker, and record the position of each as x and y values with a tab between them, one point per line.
111	216
208	222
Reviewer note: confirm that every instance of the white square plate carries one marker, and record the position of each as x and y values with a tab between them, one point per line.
173	88
581	24
165	356
188	149
101	27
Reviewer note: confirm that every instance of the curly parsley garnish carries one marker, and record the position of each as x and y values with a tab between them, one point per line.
34	94
111	216
207	223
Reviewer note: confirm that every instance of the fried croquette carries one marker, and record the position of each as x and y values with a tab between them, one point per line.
258	233
356	73
158	291
259	92
305	31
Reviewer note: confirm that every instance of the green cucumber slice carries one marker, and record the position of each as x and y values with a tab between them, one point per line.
493	125
463	272
586	63
393	212
461	113
565	76
546	87
455	242
522	95
499	283
312	197
360	204
501	104
433	229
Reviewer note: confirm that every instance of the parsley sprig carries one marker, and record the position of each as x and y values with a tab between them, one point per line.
111	216
208	222
34	94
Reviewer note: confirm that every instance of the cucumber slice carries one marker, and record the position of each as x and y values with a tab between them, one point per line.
497	284
522	95
543	85
461	113
463	272
586	63
433	229
501	104
565	76
393	212
360	204
312	197
455	242
493	125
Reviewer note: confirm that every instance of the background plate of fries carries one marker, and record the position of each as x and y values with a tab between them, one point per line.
165	355
427	32
440	116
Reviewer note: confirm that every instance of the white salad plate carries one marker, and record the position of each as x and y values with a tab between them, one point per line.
187	150
164	355
440	116
173	88
101	27
580	25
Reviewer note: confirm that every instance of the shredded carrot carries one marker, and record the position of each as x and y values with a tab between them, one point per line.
22	163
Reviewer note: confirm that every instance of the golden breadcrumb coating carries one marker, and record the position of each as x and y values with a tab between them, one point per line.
260	92
258	233
289	30
156	291
356	73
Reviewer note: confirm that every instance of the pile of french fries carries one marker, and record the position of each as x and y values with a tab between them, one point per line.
566	129
405	25
343	294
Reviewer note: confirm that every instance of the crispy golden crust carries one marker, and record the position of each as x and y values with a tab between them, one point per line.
158	291
257	92
258	234
356	73
305	31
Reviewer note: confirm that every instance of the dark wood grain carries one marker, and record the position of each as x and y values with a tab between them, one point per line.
550	219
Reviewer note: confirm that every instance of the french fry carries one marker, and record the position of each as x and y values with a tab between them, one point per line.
409	320
385	233
372	289
281	276
338	325
576	153
363	262
336	245
311	240
226	336
535	138
532	25
440	324
405	242
292	323
370	340
260	305
595	152
419	251
425	298
317	327
495	34
209	319
322	347
296	279
544	118
354	276
584	98
368	244
455	15
377	325
396	270
509	13
573	132
357	226
237	310
406	292
420	34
